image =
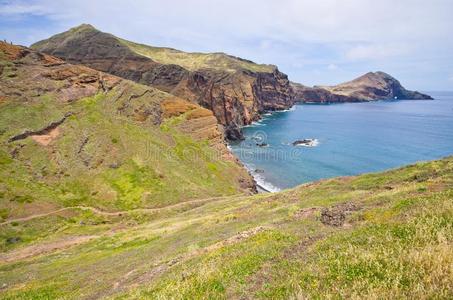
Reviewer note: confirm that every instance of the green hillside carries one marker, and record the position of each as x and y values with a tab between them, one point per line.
72	136
194	60
114	190
387	235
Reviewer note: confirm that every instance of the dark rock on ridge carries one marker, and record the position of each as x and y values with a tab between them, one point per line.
332	217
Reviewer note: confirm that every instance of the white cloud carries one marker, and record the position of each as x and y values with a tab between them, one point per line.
332	67
360	35
376	51
20	9
295	20
265	44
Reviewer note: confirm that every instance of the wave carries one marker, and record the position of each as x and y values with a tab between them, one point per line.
261	181
255	124
292	108
266	115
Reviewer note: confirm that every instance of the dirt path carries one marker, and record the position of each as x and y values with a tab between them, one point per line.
35	250
117	213
39	249
134	277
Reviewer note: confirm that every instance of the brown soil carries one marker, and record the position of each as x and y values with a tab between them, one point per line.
306	212
35	250
175	106
336	216
199	113
45	139
12	52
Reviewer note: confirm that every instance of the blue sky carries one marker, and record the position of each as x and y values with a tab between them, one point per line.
314	42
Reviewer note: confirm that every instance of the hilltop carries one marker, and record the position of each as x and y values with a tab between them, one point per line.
368	87
236	90
192	61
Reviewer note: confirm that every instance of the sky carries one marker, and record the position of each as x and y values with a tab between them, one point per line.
316	42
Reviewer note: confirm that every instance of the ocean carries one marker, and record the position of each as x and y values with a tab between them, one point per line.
348	139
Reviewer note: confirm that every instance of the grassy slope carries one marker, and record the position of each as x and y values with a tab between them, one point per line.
397	243
150	160
195	61
105	155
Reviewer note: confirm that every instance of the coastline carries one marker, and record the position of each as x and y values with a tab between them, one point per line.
262	185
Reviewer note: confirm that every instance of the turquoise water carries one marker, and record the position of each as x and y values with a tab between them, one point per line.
353	138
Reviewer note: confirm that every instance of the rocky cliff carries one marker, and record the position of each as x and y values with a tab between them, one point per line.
368	87
236	90
306	94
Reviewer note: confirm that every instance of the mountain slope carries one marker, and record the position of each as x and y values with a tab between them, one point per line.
70	135
385	235
196	61
368	87
236	90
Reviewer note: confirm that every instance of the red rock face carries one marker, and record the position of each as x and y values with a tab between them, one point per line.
236	98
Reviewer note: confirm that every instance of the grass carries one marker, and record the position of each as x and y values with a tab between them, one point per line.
397	244
195	61
114	153
404	257
104	155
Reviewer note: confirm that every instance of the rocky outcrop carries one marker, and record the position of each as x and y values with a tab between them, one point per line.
368	87
42	131
32	74
307	94
236	96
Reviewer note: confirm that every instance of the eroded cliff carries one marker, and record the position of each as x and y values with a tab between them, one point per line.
236	90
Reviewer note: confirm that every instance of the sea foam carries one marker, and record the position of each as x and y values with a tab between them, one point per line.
261	180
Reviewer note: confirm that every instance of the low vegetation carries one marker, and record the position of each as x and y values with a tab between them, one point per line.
99	141
110	189
392	238
195	61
